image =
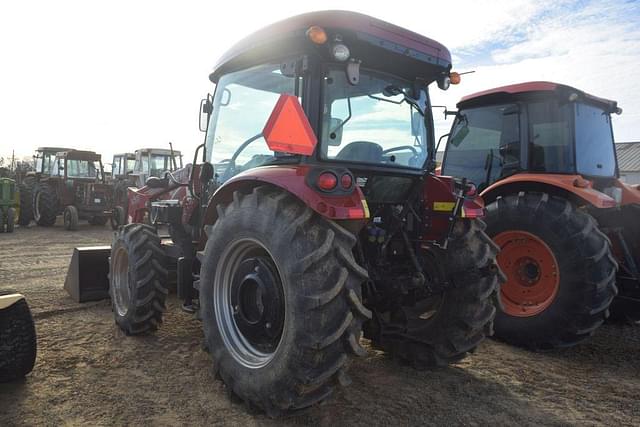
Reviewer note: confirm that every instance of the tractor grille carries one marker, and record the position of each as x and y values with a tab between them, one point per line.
7	192
98	198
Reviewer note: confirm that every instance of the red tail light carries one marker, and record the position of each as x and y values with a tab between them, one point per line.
327	181
346	181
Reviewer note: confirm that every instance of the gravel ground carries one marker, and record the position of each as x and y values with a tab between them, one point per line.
89	373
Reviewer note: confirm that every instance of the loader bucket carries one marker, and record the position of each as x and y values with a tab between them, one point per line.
88	274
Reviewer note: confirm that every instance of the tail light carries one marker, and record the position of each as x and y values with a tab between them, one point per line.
327	181
346	181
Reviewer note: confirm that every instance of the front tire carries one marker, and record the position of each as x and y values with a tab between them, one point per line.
559	267
18	345
70	217
282	347
442	328
137	279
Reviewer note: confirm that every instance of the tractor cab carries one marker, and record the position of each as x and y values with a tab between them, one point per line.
154	162
44	159
77	164
536	128
123	165
361	94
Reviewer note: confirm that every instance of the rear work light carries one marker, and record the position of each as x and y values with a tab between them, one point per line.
327	181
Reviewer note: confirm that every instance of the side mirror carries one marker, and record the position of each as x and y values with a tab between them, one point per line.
206	107
459	136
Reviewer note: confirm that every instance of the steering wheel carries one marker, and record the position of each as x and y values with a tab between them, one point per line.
402	147
230	171
413	150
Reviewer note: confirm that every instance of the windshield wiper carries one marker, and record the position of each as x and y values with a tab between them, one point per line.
393	90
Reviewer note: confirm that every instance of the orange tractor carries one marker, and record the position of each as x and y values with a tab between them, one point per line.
542	156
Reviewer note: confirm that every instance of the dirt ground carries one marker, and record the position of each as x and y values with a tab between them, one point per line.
89	373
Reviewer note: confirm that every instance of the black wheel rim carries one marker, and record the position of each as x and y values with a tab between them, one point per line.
249	302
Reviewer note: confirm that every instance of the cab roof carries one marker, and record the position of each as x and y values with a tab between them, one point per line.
79	155
534	89
53	149
161	151
289	36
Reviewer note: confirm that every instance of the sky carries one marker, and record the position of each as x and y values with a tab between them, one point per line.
119	75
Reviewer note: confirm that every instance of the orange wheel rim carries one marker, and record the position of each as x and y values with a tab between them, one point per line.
533	275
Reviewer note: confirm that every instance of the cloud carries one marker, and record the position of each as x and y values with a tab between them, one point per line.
120	75
594	46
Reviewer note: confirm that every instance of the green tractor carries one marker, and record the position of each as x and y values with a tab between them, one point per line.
11	198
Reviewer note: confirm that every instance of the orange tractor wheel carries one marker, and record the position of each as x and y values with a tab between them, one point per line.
532	272
559	268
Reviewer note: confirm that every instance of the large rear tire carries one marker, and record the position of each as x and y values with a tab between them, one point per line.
280	348
137	279
45	205
441	329
26	205
18	345
559	267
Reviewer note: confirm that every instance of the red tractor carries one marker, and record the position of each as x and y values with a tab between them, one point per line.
75	188
313	215
542	156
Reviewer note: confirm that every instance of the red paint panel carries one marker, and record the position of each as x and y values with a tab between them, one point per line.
288	129
293	180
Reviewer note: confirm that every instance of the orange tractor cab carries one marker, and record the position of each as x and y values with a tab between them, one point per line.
311	214
542	156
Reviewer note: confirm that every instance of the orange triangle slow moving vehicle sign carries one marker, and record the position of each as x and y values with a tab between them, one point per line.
288	129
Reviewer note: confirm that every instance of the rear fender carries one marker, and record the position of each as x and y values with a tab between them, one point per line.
351	207
573	187
439	197
630	193
7	301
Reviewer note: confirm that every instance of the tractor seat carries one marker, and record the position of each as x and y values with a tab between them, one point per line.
361	151
155	182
